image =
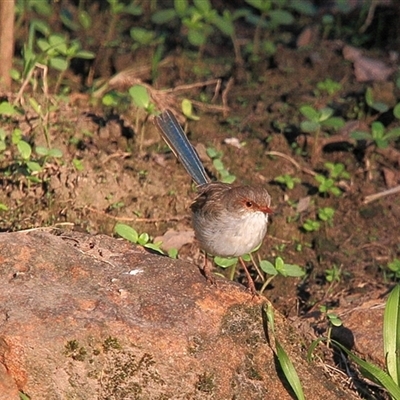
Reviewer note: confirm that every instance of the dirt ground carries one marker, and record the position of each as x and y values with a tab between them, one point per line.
128	174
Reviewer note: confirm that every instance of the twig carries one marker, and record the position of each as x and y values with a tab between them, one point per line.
290	159
376	196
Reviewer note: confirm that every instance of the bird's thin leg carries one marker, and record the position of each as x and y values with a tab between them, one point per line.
206	270
250	281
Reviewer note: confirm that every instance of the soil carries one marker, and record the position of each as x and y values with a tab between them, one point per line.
129	175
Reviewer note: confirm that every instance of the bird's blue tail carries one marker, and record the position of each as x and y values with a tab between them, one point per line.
176	139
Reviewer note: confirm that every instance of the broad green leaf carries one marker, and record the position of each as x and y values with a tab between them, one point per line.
164	16
34	166
218	165
85	19
360	135
3	207
396	111
379	106
84	54
309	112
325	113
281	17
42	151
154	247
140	96
60	64
268	267
391	334
126	232
143	238
225	262
293	270
196	38
56	153
7	109
24	149
181	7
187	109
309	126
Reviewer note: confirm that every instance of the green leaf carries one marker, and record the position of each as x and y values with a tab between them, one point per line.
34	166
284	360
154	247
3	207
42	151
334	122
77	164
173	253
293	270
372	372
60	64
7	109
309	112
196	38
140	96
56	153
181	7
396	111
164	16
85	19
187	109
281	17
325	113
268	267
218	165
84	54
391	334
143	239
380	107
24	149
224	262
202	5
360	135
369	98
126	232
309	126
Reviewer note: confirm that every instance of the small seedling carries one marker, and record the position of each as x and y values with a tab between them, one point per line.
132	235
378	135
279	267
287	180
336	172
326	214
329	86
223	173
311	225
394	267
334	274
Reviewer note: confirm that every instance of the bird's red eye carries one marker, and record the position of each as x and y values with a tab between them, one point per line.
249	204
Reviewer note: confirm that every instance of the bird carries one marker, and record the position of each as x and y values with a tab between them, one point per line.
228	220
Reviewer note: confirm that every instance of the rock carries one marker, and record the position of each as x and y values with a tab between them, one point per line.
92	317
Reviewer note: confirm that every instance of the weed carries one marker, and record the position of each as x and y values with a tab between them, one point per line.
329	86
326	214
287	180
318	119
334	274
378	135
311	225
329	184
279	268
223	173
132	235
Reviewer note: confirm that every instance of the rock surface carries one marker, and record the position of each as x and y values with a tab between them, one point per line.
92	317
